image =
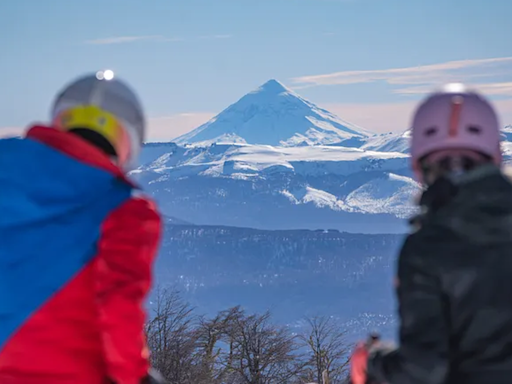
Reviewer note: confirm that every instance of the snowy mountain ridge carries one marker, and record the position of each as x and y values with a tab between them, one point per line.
388	142
243	160
399	142
266	187
275	115
507	133
274	160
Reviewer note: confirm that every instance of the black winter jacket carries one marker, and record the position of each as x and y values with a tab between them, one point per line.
455	288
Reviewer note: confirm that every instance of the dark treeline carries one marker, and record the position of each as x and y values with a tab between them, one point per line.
236	347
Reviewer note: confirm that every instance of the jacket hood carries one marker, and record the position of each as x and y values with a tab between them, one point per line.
52	208
481	210
39	183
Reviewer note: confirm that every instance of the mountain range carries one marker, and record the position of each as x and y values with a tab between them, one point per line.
278	204
274	160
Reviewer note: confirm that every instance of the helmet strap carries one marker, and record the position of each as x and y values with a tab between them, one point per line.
95	139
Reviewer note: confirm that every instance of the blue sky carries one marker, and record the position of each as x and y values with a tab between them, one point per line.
189	59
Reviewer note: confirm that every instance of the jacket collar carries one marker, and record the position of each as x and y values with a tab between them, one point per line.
77	148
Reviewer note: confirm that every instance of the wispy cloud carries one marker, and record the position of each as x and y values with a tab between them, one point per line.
425	76
396	117
495	89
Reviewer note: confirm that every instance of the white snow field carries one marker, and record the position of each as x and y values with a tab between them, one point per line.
243	160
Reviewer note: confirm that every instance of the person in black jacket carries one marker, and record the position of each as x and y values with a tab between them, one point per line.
454	278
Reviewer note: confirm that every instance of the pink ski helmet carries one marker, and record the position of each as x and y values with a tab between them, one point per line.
455	118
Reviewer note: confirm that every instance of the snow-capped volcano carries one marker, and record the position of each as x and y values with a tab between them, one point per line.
275	115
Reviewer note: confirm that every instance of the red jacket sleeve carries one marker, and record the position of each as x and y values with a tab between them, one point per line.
358	364
127	248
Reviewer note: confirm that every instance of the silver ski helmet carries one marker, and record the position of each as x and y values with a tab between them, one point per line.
107	106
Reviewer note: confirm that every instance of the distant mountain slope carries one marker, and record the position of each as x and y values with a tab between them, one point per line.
293	273
399	142
268	187
507	133
388	142
242	160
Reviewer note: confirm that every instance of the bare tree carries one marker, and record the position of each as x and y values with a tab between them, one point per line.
328	351
171	338
259	352
209	334
235	348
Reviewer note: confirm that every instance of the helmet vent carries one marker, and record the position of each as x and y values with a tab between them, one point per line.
475	130
430	131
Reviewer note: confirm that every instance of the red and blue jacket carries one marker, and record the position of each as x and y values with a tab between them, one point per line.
76	253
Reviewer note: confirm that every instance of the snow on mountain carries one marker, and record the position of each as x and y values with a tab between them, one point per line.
364	186
389	193
321	172
507	133
243	160
388	142
399	142
275	115
266	187
152	151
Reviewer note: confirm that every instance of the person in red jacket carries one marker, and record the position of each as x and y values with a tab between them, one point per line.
77	243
